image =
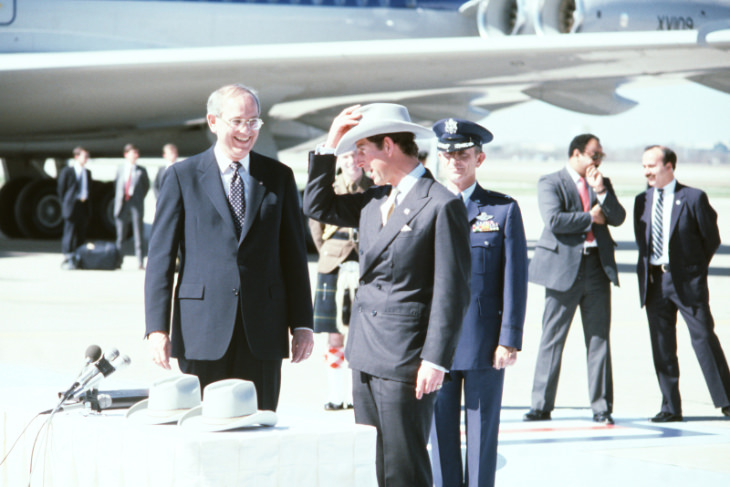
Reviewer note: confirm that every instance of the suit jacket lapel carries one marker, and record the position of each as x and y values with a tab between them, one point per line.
476	203
677	206
255	191
210	179
574	202
646	217
403	214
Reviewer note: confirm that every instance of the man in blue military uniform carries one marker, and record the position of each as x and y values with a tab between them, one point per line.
492	329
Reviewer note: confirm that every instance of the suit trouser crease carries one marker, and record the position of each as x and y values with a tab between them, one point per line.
592	292
134	215
482	404
662	305
403	424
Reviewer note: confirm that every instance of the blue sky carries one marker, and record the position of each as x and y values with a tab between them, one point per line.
681	114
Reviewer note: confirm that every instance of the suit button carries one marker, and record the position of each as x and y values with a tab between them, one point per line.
235	292
374	313
378	286
362	251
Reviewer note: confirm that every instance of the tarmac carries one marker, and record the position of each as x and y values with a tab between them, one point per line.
49	316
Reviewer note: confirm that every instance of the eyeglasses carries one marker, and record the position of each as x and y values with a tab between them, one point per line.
597	156
238	123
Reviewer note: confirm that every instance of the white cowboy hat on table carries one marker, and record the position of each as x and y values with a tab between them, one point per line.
169	399
227	404
377	119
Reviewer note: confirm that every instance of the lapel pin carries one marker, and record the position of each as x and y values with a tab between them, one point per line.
407	211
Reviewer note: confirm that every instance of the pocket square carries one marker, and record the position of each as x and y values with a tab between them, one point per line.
406	228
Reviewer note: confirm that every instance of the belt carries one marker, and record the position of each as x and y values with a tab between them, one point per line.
345	235
589	250
661	268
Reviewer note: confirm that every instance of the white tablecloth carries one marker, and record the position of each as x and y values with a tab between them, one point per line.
107	450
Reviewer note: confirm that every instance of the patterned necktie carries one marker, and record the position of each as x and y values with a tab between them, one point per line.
657	227
236	198
585	199
387	208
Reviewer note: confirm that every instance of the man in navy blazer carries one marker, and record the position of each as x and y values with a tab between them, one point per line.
574	260
74	185
677	234
491	333
414	281
240	291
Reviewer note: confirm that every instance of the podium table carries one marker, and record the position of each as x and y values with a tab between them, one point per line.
108	450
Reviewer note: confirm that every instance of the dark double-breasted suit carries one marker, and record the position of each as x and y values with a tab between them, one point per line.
261	277
694	238
131	210
574	277
495	317
413	293
75	213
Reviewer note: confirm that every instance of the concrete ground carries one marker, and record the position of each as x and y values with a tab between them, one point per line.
49	316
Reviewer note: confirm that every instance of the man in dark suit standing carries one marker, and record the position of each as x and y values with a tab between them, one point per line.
414	281
243	284
131	186
574	260
677	234
73	187
492	331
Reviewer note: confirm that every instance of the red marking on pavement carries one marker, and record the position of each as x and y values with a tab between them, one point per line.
575	428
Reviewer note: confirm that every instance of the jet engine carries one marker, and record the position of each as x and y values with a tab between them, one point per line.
574	16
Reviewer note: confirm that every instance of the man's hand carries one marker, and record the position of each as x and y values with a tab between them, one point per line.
428	380
341	124
160	348
302	343
597	215
504	357
594	178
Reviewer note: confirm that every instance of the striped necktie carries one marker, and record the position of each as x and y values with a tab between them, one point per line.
657	227
236	198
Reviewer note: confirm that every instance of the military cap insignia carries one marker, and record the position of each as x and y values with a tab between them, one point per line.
451	127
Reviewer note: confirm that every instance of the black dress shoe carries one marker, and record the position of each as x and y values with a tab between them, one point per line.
536	415
603	417
726	411
665	417
330	406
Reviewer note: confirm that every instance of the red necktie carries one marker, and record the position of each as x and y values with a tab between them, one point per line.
585	199
127	195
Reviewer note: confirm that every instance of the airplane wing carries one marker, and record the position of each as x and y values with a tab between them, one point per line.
53	101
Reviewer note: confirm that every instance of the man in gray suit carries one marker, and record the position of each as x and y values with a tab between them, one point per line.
414	280
131	186
574	260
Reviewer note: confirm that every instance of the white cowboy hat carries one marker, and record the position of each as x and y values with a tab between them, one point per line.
380	118
168	401
227	404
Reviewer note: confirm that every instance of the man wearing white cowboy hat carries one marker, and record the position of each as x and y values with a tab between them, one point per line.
414	280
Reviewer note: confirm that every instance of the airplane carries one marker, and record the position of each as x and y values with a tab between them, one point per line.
101	73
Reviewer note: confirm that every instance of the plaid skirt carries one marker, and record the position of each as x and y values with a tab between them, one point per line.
325	307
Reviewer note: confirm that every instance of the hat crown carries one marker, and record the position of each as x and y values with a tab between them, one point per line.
229	399
179	392
384	112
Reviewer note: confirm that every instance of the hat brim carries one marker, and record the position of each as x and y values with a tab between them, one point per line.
376	127
141	413
194	420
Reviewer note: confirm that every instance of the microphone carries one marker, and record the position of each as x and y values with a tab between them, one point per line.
104	368
93	355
